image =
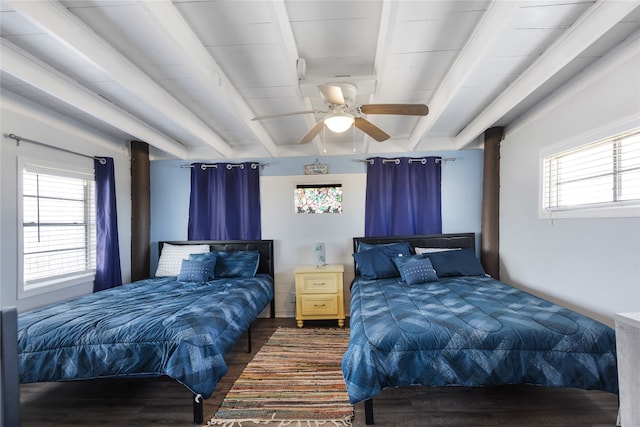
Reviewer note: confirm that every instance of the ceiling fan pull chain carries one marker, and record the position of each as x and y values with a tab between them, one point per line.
324	139
354	139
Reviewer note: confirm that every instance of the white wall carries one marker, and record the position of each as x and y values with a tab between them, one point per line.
30	121
589	264
294	234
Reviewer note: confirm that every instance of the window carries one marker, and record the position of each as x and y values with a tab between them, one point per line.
318	198
600	175
58	228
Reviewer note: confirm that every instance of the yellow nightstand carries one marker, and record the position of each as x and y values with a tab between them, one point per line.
319	293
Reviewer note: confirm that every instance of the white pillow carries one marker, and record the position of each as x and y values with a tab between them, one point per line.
432	250
172	255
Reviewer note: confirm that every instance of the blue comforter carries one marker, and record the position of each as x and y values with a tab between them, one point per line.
147	328
470	331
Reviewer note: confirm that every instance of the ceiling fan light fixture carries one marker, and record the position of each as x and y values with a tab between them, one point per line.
339	122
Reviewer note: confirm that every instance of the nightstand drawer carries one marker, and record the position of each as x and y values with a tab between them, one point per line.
320	284
316	305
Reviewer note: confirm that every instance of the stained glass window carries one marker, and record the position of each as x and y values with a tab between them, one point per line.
318	198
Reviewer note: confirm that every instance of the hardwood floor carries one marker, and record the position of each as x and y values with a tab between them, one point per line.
164	402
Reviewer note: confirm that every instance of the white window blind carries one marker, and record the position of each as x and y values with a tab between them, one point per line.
59	232
605	173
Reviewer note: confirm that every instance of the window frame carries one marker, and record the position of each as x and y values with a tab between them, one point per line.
70	169
603	210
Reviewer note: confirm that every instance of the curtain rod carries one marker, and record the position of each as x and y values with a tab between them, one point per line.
102	160
422	160
230	166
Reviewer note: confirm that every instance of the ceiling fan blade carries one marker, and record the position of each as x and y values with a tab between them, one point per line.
333	94
399	109
370	129
312	133
274	116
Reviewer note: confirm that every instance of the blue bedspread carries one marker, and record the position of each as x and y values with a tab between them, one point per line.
470	331
150	327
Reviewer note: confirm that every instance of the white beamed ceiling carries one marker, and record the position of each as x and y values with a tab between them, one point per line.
188	76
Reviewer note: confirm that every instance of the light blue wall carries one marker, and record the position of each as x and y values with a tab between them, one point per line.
170	183
461	188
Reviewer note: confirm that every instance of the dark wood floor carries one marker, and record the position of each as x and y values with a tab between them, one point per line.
163	402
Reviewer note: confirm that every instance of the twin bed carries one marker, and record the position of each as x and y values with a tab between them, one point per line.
443	322
180	325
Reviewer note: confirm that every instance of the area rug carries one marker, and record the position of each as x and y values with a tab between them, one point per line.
294	380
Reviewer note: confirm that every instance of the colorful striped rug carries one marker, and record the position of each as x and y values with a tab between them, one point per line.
295	379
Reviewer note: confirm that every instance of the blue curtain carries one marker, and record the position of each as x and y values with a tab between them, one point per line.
403	196
108	274
225	202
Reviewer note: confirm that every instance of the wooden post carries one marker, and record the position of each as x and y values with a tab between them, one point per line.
140	211
490	226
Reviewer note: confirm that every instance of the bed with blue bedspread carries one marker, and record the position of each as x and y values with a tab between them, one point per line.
444	322
181	324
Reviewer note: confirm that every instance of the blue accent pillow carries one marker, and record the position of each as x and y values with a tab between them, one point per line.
194	271
463	262
377	262
237	263
210	258
416	269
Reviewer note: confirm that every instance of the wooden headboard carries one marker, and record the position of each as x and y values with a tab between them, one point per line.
453	240
265	247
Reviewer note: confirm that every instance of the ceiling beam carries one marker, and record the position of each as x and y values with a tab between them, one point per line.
595	22
95	141
53	18
290	52
34	72
622	53
489	29
387	17
170	21
289	49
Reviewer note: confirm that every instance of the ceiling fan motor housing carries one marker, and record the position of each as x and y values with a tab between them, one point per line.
349	92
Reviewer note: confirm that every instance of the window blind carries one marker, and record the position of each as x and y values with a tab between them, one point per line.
603	173
58	225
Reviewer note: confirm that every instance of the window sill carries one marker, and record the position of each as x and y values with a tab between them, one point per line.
55	285
592	212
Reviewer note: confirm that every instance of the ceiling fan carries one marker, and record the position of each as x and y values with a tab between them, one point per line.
342	112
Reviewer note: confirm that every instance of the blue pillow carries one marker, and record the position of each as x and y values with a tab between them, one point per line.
377	262
362	246
463	262
194	271
416	269
210	258
237	263
365	246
